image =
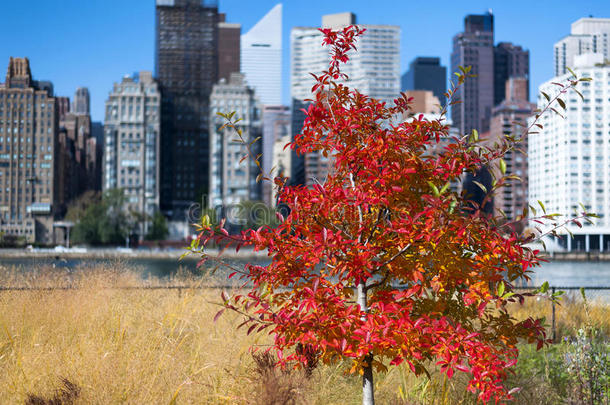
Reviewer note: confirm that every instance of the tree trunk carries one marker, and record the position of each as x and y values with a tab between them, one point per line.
368	395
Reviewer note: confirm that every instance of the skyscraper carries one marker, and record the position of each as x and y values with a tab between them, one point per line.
373	70
229	48
81	101
29	197
186	63
474	47
569	157
261	57
426	73
492	65
588	35
509	61
131	129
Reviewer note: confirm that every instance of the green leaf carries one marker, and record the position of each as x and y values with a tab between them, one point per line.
502	166
434	189
542	206
544	287
546	96
481	186
571	71
562	103
501	288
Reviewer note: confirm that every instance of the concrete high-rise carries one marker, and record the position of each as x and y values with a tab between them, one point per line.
229	48
132	144
261	57
373	70
588	35
233	180
569	159
426	73
81	101
474	47
29	170
186	63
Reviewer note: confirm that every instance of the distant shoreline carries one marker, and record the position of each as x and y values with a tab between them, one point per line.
124	253
244	254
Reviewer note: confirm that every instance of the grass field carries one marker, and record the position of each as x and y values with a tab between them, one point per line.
99	344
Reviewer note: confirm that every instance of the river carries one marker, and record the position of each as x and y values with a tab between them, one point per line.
557	273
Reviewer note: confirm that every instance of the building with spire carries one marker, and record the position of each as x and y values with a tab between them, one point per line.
29	150
261	57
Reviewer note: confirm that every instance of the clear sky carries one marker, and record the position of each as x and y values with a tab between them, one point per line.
93	43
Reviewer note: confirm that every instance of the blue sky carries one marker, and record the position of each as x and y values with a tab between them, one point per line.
94	43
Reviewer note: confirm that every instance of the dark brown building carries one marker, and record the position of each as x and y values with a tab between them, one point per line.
492	65
506	116
29	197
186	62
229	38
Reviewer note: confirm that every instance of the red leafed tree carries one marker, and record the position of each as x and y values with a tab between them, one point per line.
382	262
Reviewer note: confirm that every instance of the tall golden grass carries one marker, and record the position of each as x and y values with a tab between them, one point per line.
143	346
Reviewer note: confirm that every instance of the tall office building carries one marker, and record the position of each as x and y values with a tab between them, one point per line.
81	101
261	57
233	180
588	35
509	118
132	144
29	198
474	47
276	134
229	48
569	159
426	73
373	70
186	63
492	65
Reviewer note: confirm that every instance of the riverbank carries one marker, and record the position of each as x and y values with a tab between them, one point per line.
118	252
243	254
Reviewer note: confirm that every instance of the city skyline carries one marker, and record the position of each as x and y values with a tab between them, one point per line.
120	44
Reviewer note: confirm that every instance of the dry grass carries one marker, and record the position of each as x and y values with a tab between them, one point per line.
139	346
570	312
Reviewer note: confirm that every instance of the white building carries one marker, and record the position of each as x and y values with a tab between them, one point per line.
588	35
131	146
233	179
261	57
373	70
569	160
